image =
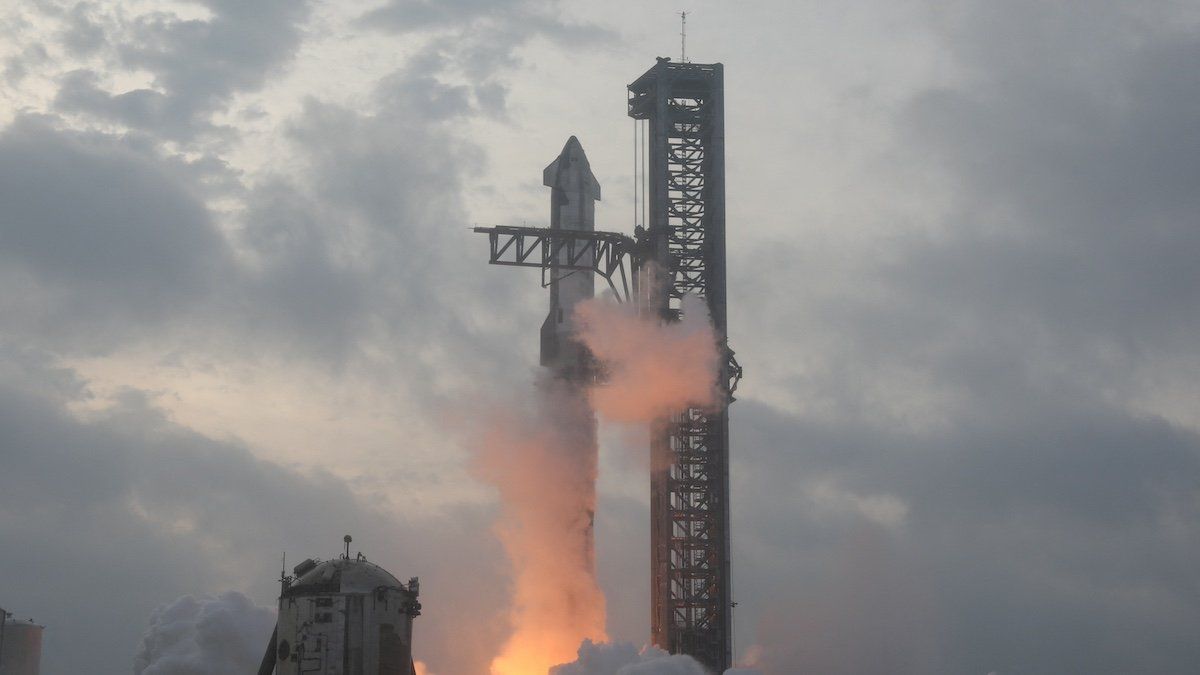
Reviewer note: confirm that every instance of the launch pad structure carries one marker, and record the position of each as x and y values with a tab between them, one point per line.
679	250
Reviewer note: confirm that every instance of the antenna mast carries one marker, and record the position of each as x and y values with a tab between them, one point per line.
683	37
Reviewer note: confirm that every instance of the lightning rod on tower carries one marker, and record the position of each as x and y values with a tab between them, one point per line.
683	37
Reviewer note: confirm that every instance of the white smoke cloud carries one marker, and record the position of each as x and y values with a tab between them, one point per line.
653	368
205	636
622	658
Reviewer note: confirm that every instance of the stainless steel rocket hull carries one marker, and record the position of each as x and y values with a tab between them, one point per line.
574	192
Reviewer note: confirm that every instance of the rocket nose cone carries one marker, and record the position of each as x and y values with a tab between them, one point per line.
573	148
571	167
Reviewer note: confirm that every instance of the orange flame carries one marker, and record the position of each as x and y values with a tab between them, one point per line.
545	471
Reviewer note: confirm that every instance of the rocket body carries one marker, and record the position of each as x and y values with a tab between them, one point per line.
574	191
569	371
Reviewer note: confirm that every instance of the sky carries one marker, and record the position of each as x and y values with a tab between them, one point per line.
242	314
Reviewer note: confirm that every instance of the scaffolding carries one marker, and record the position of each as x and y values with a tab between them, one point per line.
682	107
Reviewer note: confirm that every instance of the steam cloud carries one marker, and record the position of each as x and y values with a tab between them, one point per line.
623	658
205	636
652	368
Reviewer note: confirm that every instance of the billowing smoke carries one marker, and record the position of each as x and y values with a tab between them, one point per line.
652	368
543	462
205	636
623	658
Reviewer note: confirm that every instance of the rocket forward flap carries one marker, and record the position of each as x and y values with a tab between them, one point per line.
571	172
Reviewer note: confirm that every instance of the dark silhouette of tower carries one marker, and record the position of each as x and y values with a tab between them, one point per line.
682	105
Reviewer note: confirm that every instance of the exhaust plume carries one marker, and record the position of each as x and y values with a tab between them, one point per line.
543	462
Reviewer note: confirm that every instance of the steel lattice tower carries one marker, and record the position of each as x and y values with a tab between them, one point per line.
683	107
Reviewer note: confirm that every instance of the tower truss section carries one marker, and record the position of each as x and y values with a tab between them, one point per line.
683	109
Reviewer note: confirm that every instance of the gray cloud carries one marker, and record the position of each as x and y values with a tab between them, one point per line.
234	50
95	231
371	245
112	241
83	34
17	67
109	232
143	109
129	511
197	64
1045	525
339	250
983	374
480	39
515	19
1079	191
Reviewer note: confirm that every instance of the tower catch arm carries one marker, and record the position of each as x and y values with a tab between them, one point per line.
603	253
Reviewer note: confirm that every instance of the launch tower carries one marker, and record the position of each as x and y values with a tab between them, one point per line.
682	106
679	250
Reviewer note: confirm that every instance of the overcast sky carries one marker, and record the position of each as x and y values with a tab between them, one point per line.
241	313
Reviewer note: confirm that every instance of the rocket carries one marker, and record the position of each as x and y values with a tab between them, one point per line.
573	195
574	191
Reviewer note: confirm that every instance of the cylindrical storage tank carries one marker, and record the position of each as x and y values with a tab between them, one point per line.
21	652
345	617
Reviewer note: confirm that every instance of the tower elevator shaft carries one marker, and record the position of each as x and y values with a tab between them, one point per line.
683	109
